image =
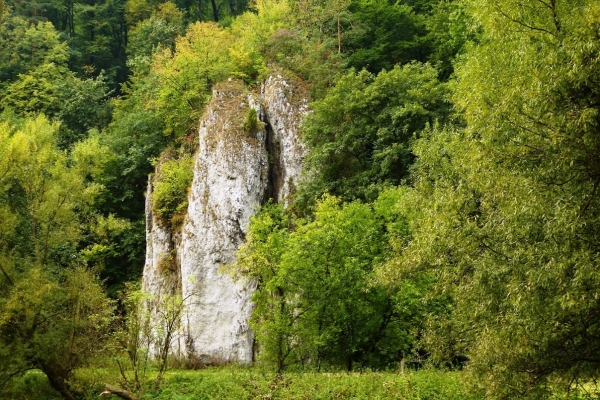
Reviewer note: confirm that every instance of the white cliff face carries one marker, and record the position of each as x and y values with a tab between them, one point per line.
159	247
161	278
236	170
230	179
285	104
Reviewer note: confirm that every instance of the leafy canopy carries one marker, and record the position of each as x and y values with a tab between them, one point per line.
359	134
509	203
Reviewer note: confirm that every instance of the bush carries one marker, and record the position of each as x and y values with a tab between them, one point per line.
171	182
252	124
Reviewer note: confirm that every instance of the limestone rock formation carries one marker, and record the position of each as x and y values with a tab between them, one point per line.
285	103
238	167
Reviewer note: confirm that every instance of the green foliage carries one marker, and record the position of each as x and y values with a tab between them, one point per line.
54	315
80	105
83	107
37	80
134	338
134	136
260	258
26	47
32	385
36	91
170	188
509	203
251	124
251	384
158	31
251	31
184	79
144	339
360	133
50	187
99	34
108	242
450	29
296	40
54	323
317	303
376	43
318	63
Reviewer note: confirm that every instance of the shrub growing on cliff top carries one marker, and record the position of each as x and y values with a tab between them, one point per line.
171	183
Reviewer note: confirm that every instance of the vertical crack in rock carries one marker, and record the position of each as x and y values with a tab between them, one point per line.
285	103
238	168
275	174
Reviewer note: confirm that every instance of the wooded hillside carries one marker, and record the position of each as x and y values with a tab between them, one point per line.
447	215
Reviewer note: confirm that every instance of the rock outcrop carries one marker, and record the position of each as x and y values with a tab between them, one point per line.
284	106
238	167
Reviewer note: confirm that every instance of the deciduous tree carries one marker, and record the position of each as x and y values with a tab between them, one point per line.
510	205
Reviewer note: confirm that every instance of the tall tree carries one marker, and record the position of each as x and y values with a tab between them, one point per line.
383	35
101	39
360	133
510	204
317	303
27	47
54	314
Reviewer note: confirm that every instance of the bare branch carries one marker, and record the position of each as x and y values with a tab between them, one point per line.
113	390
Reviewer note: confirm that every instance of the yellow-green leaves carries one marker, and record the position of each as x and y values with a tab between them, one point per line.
185	78
46	189
508	206
53	312
171	184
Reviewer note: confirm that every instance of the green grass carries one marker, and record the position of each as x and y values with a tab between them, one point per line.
255	383
239	383
252	383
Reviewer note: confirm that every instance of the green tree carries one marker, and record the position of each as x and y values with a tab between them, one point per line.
54	315
449	30
156	32
317	302
36	91
26	47
34	73
360	133
376	42
260	258
185	78
84	106
100	40
509	204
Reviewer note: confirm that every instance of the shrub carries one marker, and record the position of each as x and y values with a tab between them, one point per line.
252	123
171	182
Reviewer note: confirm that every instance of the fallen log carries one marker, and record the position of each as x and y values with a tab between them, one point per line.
117	391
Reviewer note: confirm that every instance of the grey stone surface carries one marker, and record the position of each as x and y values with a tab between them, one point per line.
235	172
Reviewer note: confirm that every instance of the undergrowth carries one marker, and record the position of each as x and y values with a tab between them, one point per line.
231	382
253	383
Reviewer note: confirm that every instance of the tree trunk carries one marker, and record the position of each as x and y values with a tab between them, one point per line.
122	393
58	380
215	10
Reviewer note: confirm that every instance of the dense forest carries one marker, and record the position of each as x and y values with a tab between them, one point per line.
447	215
